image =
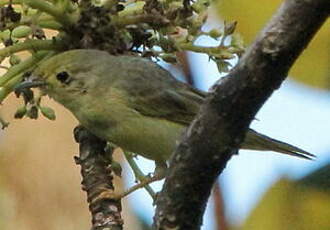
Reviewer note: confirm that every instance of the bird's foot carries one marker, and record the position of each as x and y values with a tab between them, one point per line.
142	184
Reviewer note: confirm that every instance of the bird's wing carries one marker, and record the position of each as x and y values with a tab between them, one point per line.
178	106
154	92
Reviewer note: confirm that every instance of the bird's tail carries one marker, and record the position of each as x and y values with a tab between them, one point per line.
258	141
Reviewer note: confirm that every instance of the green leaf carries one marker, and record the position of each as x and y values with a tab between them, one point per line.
48	112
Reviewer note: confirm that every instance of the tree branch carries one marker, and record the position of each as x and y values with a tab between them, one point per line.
97	181
220	127
219	208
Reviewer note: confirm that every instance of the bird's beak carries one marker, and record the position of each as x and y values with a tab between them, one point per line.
29	84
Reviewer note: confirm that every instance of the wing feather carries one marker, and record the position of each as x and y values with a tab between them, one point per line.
154	92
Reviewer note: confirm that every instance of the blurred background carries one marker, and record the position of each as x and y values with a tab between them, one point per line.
40	184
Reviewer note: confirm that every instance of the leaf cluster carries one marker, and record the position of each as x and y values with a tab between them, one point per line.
34	30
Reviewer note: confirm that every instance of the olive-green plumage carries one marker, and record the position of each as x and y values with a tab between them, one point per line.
132	102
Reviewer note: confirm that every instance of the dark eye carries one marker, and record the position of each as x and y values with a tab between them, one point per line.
63	77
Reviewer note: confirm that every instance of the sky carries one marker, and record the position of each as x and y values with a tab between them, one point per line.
295	114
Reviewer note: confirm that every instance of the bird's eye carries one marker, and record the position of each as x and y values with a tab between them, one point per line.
63	77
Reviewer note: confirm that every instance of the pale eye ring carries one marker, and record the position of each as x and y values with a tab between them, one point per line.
63	77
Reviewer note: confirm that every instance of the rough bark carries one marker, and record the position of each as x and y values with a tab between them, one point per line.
223	120
96	172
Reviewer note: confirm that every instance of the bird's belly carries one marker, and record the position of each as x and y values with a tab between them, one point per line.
150	137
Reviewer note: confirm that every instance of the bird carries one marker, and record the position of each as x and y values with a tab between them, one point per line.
132	102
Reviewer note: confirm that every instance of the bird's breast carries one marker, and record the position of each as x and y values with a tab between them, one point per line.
151	137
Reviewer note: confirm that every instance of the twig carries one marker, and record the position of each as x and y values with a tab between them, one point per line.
144	183
139	174
218	51
154	19
58	14
6	2
219	208
31	45
15	74
186	67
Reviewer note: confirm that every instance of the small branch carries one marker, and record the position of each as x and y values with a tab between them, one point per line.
123	21
219	208
50	24
6	2
217	51
31	45
139	175
186	67
15	73
58	14
97	181
22	66
219	128
8	88
142	184
46	24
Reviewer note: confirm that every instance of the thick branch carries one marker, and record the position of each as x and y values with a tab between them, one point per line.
97	181
220	126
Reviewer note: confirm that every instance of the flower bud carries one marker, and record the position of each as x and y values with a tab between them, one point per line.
214	33
14	60
20	112
21	31
48	112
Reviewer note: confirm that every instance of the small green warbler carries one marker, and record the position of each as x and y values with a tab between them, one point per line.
132	102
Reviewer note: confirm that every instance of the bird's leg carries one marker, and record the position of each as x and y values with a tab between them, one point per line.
142	184
139	176
160	172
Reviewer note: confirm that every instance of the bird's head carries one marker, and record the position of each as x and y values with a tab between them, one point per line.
67	76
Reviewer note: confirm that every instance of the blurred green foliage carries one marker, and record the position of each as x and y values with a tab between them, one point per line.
295	205
311	68
148	28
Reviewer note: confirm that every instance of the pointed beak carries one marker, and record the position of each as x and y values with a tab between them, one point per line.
29	84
